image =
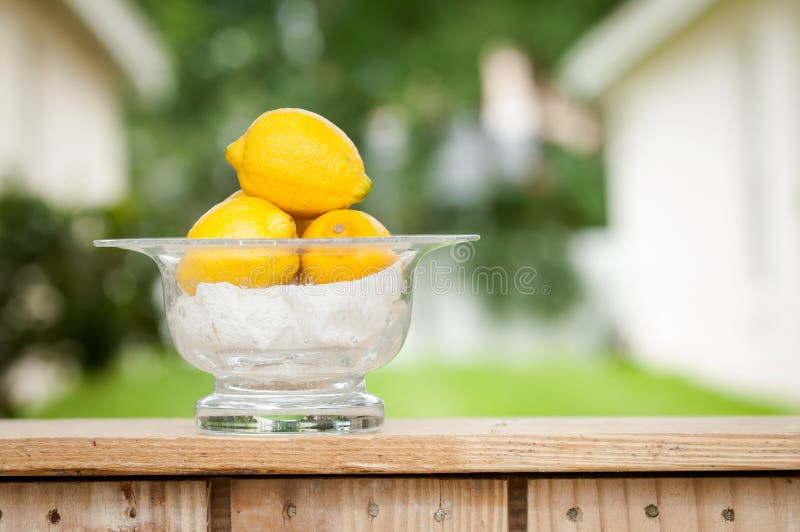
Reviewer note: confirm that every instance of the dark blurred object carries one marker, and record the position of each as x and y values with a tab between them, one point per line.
60	299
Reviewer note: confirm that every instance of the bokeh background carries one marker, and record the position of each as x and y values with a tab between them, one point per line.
640	156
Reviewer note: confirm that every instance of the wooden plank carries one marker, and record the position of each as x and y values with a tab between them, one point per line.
517	504
372	504
664	504
219	506
104	505
174	447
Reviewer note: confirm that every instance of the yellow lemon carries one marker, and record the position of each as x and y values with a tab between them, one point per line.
300	162
334	265
238	194
239	216
300	223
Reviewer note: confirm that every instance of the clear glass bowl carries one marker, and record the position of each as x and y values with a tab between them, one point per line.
287	357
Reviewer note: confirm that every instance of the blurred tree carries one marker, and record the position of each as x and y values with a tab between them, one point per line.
60	299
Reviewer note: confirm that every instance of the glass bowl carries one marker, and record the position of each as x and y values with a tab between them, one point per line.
291	357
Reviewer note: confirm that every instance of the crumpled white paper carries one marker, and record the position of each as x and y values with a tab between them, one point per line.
343	314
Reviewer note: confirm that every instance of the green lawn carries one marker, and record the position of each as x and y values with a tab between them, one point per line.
166	386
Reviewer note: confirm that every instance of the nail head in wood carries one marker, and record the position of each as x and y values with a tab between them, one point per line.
651	511
728	514
574	514
439	515
373	510
53	516
291	509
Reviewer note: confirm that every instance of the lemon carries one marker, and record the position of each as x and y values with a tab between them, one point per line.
300	223
334	265
239	216
300	162
238	194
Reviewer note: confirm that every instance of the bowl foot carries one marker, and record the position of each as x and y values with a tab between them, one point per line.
278	414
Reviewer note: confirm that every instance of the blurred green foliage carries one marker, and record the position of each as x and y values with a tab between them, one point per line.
60	298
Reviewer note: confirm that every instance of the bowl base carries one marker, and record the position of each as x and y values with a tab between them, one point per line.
278	414
297	424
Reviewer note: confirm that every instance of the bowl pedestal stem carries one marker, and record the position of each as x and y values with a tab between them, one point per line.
244	405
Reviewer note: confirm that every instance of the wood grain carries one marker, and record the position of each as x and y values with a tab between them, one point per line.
104	505
517	504
174	447
764	504
370	504
219	506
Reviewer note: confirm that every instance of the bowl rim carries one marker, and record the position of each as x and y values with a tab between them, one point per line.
388	241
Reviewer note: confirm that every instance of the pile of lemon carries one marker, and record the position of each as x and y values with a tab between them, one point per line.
298	174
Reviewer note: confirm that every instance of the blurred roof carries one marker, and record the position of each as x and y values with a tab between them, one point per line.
622	40
130	41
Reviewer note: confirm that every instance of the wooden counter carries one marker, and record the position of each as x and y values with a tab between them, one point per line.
451	474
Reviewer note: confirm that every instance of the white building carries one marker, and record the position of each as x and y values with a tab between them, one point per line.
61	64
701	103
